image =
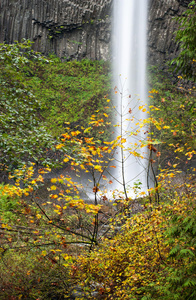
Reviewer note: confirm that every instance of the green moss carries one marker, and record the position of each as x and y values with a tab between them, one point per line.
68	91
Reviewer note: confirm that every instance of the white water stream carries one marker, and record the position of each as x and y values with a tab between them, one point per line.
129	61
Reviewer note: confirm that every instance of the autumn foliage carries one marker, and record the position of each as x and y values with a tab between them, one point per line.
59	244
152	256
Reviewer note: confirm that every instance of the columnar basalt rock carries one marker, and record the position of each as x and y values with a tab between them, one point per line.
76	29
161	29
69	28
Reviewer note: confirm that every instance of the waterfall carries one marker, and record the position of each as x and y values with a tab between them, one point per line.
129	68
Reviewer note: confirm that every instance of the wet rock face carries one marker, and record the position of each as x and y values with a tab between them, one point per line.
69	28
162	25
76	29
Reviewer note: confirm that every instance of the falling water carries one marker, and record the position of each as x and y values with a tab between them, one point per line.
129	57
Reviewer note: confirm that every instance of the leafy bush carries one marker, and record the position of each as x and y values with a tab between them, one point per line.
173	108
185	62
181	282
152	255
8	205
153	258
22	135
27	275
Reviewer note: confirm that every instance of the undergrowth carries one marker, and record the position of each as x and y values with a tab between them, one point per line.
68	91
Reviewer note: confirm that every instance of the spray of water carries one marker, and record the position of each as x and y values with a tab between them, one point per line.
129	61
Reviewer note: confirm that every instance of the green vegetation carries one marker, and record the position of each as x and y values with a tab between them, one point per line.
185	62
154	257
22	134
68	91
8	206
173	105
38	97
45	252
58	246
26	275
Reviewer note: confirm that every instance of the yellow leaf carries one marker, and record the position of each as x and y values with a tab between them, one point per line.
44	253
66	159
75	133
53	197
123	141
153	91
65	256
53	180
53	188
98	168
87	129
59	146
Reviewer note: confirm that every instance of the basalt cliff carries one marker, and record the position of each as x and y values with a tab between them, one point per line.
76	29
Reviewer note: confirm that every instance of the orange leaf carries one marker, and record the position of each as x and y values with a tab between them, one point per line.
123	141
66	136
95	189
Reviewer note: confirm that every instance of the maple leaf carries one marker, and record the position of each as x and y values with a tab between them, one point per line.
66	136
123	141
75	133
59	146
53	188
98	168
66	159
95	189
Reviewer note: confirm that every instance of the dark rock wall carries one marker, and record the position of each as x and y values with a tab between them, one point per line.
162	25
69	28
80	28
